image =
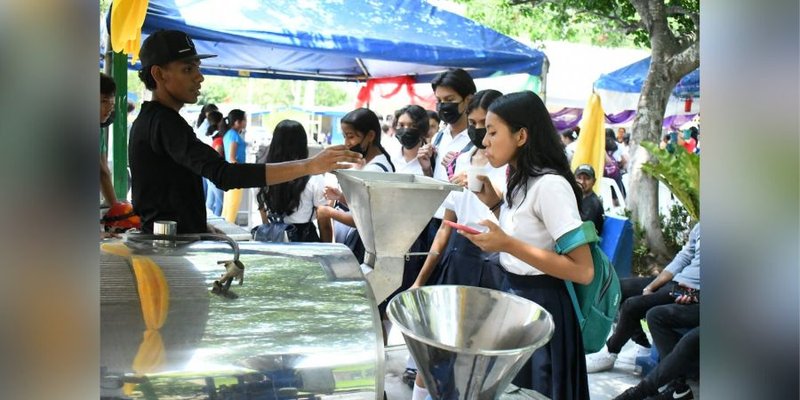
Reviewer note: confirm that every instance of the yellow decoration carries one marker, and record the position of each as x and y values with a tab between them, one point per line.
127	18
591	148
230	204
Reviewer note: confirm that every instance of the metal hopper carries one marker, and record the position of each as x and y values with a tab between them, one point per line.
390	210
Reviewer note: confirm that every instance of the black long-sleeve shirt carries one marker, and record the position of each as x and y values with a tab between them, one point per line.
167	162
592	210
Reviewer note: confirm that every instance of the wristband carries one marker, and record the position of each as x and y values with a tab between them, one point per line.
496	206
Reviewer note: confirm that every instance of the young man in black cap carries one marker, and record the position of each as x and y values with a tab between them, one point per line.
591	206
167	160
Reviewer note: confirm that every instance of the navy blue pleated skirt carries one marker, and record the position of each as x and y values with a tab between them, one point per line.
558	369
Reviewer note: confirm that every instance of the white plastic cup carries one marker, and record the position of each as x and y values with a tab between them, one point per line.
473	183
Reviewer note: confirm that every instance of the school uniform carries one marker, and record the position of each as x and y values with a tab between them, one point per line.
539	217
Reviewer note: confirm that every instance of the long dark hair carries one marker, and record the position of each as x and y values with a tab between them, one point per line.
203	111
214	118
364	120
227	123
542	151
483	100
289	143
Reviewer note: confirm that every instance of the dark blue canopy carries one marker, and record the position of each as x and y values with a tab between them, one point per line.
630	79
338	39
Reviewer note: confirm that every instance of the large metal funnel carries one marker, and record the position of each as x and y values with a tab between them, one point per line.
390	210
469	342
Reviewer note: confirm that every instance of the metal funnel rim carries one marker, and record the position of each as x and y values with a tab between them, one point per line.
539	343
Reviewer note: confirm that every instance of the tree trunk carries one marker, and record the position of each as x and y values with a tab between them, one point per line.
643	191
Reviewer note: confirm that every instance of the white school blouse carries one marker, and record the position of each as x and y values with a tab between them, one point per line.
548	211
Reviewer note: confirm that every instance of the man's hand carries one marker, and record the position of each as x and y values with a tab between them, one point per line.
647	290
332	193
493	240
331	158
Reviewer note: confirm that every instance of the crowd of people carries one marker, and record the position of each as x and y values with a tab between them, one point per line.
528	197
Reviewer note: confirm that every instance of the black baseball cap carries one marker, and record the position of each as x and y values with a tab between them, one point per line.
585	169
165	46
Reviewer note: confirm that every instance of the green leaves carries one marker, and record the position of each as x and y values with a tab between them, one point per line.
680	172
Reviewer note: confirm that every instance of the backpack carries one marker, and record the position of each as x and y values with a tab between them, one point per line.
273	231
595	304
611	168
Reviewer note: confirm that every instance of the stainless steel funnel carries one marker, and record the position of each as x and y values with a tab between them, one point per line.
469	342
390	210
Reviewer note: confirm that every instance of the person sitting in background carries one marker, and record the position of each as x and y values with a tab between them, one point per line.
681	276
686	140
295	200
591	205
680	353
108	89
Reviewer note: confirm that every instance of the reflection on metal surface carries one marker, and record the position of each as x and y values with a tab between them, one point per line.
304	325
469	342
390	210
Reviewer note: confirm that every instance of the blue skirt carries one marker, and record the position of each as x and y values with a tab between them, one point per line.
558	369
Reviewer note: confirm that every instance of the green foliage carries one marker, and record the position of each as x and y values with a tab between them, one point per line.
675	227
616	20
642	260
546	22
680	172
331	94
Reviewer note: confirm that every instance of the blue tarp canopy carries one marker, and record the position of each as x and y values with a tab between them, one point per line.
630	79
339	39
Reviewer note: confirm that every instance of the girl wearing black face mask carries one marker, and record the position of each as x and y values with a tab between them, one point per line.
362	134
411	127
453	90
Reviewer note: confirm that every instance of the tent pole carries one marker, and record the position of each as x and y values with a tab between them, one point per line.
545	69
120	151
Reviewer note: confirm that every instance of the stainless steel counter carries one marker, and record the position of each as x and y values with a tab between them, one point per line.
304	325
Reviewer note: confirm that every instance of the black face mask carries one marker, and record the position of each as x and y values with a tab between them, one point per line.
109	121
408	137
360	150
476	135
448	112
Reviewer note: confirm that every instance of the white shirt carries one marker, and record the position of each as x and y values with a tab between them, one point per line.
411	167
447	144
311	196
373	165
469	209
549	211
391	144
200	131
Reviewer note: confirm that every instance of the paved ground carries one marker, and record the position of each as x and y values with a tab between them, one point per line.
602	386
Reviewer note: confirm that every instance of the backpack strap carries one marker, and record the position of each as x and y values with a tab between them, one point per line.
383	167
584	234
467	148
438	138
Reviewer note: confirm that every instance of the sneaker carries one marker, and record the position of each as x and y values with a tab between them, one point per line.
601	361
674	391
637	392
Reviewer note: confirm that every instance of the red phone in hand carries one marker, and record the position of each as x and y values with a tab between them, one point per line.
461	227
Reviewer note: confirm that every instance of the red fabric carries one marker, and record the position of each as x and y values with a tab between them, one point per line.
365	94
690	145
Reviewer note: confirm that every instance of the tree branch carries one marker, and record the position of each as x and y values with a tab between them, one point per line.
628	27
685	61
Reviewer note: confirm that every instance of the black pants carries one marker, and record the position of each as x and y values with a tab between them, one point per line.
632	311
683	361
669	322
